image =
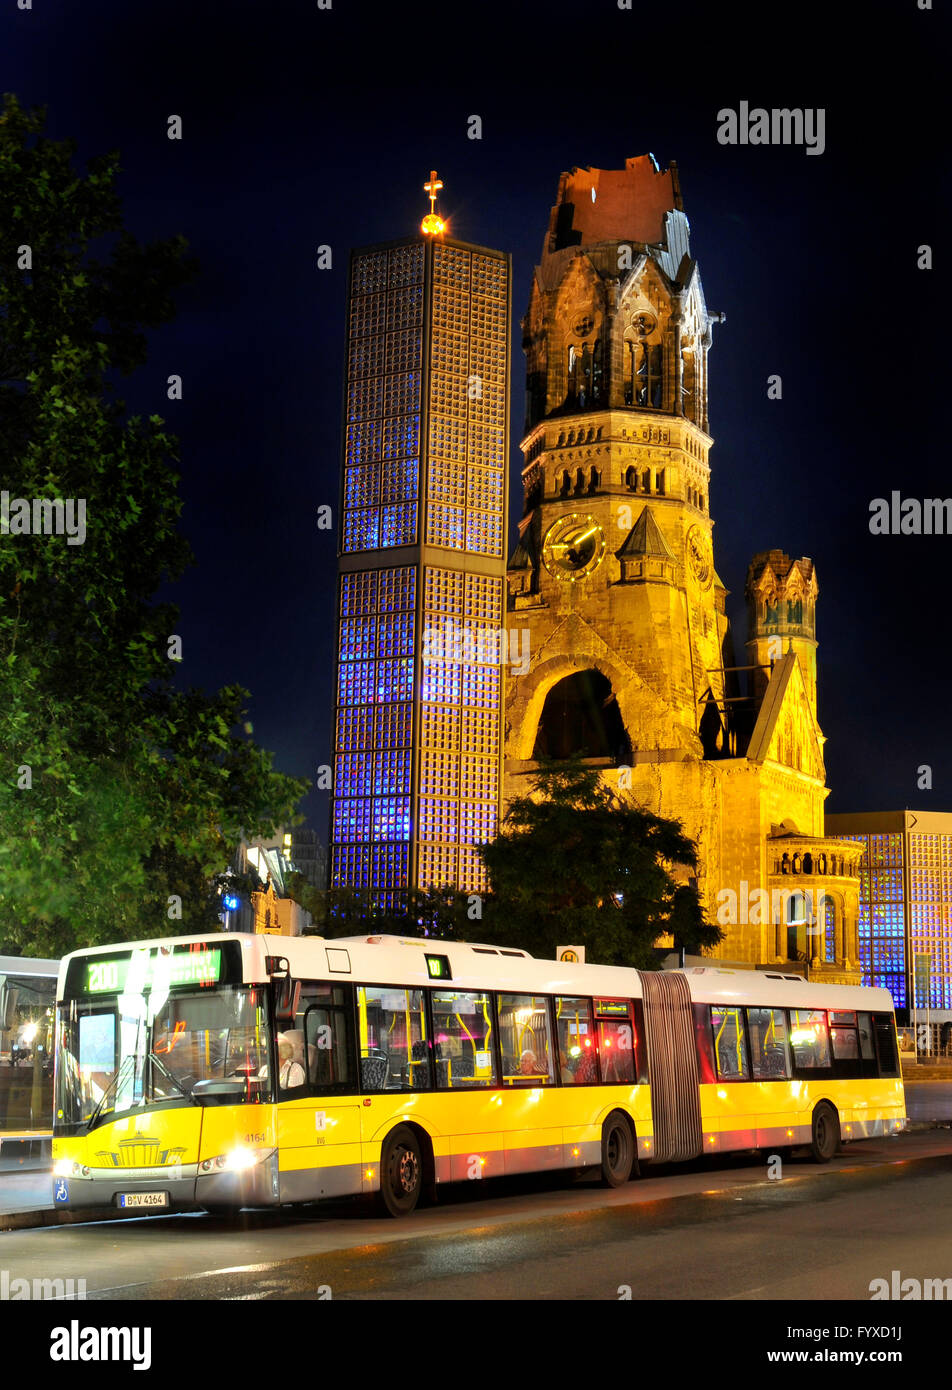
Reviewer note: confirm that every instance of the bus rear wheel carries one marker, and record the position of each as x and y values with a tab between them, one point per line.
618	1151
401	1172
826	1133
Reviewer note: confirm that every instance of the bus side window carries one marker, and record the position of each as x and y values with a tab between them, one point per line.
884	1028
769	1048
578	1054
394	1048
730	1051
866	1046
705	1044
617	1043
524	1039
327	1027
844	1036
810	1036
462	1039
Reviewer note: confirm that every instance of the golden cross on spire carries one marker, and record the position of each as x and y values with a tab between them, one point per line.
432	224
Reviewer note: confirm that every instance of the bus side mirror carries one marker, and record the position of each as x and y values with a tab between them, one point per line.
287	995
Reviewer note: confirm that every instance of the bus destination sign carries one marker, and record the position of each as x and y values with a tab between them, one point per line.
144	970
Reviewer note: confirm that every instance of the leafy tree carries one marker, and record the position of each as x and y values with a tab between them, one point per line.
434	913
576	863
121	796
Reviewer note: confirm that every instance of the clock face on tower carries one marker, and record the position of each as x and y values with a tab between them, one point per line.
699	556
574	546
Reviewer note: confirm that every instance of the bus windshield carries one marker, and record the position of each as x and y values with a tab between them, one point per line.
120	1053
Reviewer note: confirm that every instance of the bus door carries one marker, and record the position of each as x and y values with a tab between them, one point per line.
318	1114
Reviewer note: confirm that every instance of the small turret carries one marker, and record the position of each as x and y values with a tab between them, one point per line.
781	616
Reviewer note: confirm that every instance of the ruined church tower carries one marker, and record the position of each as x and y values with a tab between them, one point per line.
613	591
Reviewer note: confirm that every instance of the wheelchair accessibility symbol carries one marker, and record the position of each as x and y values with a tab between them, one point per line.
61	1192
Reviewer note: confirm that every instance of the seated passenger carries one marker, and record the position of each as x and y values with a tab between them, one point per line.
290	1073
528	1063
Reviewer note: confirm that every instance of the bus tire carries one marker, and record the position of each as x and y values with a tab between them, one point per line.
618	1150
401	1172
826	1133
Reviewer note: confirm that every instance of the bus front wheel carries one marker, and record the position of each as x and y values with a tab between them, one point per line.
401	1172
826	1133
618	1151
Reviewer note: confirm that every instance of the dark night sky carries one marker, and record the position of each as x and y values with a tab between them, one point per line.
304	127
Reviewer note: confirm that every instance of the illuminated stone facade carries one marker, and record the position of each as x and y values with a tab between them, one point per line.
422	567
613	582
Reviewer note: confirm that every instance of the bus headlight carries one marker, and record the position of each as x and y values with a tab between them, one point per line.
65	1168
237	1160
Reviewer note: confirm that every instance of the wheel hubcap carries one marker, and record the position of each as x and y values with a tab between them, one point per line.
408	1170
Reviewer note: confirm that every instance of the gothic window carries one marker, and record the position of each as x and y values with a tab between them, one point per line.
566	484
829	934
643	385
579	480
584	375
631	479
593	480
808	863
796	926
795	610
561	440
660	483
688	387
646	480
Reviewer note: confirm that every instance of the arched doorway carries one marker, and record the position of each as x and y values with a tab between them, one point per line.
581	718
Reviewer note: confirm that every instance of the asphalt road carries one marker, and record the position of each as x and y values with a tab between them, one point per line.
816	1233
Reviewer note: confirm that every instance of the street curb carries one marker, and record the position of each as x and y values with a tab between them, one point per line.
49	1216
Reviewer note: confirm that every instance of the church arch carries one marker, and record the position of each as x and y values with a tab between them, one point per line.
581	718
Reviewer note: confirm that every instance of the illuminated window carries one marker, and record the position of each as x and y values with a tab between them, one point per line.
524	1040
829	937
809	1035
462	1039
730	1052
394	1050
769	1047
578	1048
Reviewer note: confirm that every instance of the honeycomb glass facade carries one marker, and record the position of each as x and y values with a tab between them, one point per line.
905	904
882	935
930	913
421	638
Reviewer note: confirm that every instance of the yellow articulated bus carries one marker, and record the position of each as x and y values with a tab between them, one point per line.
214	1072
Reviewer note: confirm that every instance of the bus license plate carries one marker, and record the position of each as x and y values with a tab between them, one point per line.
143	1199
